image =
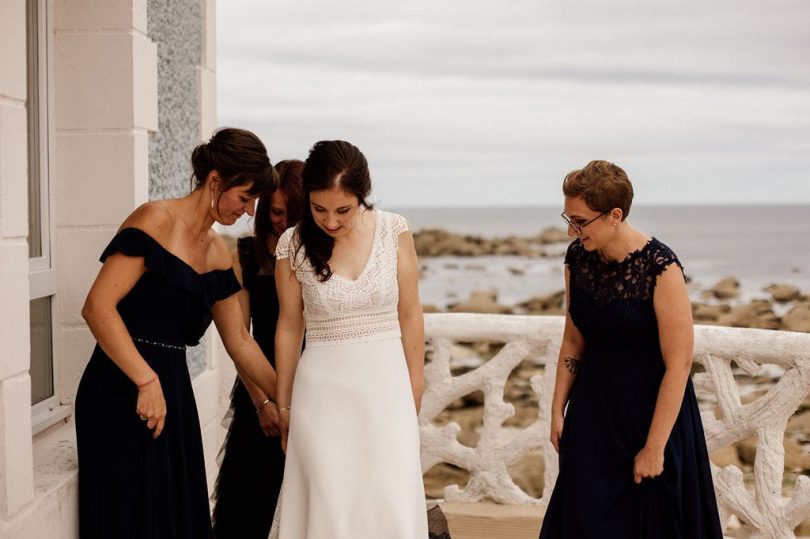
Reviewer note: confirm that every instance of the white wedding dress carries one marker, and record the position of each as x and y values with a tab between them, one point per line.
352	468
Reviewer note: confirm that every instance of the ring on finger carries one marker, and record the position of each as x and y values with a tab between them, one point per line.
142	417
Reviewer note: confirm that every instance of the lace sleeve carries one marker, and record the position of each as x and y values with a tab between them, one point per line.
661	257
572	254
399	224
284	247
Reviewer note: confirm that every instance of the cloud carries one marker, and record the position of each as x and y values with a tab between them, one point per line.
476	103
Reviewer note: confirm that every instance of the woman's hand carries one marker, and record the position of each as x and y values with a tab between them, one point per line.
418	390
269	420
649	464
284	427
151	406
557	420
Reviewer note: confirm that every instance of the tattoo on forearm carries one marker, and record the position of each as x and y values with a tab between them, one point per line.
571	364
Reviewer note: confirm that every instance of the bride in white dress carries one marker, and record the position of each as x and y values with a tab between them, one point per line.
348	274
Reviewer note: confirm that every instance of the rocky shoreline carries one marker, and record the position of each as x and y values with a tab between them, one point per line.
437	242
784	306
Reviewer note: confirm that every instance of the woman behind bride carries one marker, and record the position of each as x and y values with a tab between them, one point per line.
348	274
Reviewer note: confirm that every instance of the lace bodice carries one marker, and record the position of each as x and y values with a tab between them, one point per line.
341	309
614	300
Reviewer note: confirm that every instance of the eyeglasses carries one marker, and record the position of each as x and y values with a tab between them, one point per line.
578	228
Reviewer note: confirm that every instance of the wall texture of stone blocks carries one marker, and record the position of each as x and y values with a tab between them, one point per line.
176	27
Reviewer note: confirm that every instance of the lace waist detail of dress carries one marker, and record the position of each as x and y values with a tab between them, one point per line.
353	327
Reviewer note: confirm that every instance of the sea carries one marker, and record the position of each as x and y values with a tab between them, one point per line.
757	244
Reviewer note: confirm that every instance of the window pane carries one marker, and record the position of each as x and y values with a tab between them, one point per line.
41	350
33	105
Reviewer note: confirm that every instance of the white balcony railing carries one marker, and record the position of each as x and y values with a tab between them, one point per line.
762	508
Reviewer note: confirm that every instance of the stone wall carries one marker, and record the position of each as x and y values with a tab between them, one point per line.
177	29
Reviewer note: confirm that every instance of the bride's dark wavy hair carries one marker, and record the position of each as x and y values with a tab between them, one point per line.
331	163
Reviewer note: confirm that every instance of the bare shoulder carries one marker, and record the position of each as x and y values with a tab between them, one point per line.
219	255
156	218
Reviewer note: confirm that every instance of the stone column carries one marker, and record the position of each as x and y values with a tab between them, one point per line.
106	106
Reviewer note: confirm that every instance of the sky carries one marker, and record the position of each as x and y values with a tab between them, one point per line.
466	103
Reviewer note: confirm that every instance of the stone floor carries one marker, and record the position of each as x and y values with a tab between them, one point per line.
492	521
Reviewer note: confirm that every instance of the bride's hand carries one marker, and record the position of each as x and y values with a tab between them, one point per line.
418	390
284	427
269	420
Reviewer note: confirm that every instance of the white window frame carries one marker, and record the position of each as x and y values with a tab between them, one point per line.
42	271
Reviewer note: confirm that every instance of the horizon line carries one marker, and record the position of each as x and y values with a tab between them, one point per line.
638	205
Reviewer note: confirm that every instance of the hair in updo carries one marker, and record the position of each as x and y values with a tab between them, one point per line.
290	185
239	157
602	185
331	163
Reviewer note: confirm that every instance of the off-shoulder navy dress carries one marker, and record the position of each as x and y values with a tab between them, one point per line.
610	409
131	485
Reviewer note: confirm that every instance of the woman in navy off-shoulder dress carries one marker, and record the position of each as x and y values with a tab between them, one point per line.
633	458
166	275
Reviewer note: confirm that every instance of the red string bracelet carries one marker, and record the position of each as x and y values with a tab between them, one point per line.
143	385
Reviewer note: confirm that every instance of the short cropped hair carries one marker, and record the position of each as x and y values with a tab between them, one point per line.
602	185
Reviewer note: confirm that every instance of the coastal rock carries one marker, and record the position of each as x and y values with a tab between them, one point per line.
486	350
783	292
803	529
463	359
469	418
798	318
513	245
747	450
544	303
436	242
553	235
442	475
726	456
482	301
708	313
796	459
527	473
799	423
748	398
757	314
727	288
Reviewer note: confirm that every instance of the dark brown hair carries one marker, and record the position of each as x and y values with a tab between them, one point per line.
239	157
291	186
602	185
331	163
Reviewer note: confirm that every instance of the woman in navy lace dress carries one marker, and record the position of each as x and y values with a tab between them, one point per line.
625	420
252	466
166	275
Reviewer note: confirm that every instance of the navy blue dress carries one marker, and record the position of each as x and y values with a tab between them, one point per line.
252	468
130	485
610	409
